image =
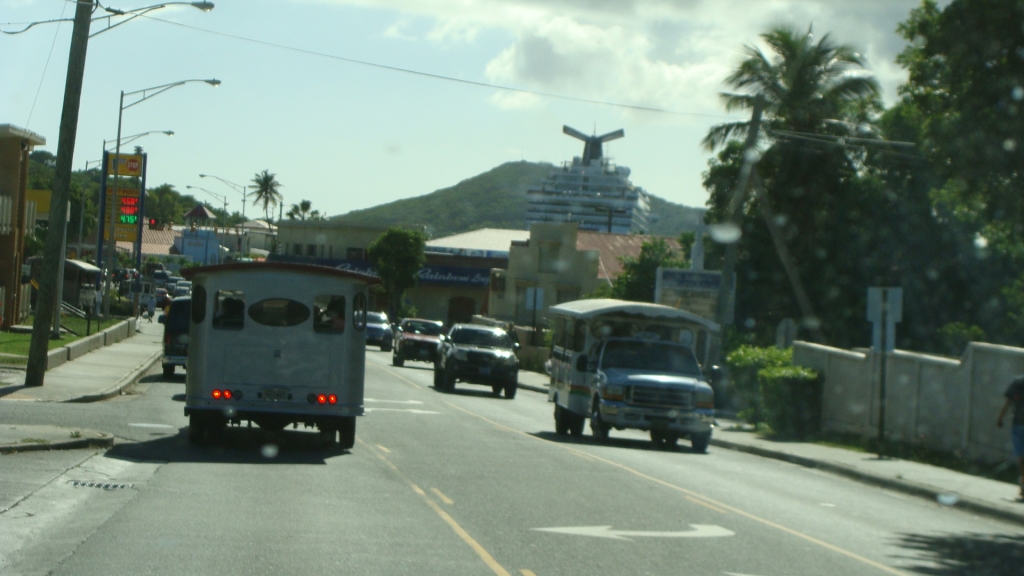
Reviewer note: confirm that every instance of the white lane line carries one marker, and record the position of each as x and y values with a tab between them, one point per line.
411	410
147	425
699	531
393	401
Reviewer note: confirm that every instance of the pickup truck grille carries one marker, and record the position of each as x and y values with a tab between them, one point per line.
659	396
480	358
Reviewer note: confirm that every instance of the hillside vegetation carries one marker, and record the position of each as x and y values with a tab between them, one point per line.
494	199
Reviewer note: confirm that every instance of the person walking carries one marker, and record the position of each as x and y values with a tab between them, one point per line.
151	307
1015	397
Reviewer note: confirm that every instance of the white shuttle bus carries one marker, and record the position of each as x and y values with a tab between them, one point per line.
274	344
631	365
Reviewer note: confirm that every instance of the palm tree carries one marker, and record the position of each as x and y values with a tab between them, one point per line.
299	211
266	192
806	88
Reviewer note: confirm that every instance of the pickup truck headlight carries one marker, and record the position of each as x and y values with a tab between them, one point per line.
461	355
612	392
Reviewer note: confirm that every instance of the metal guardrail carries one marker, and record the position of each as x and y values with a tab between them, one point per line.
69	309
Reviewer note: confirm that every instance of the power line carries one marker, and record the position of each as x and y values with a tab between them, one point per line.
435	76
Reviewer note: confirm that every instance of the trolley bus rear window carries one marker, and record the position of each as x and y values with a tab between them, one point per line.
329	314
280	312
229	310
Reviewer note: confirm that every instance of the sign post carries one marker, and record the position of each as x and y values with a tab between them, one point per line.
534	300
885	309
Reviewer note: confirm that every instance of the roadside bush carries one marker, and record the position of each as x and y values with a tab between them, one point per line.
744	363
122	308
791	400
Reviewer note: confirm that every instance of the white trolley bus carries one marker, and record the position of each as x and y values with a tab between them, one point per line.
631	365
276	344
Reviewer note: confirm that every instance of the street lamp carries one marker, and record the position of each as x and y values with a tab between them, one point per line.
115	12
134	137
144	94
241	188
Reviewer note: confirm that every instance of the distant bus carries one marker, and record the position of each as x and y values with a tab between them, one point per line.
80	280
276	344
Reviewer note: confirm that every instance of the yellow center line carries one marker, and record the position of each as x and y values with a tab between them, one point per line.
480	550
385	450
526	572
441	495
697	498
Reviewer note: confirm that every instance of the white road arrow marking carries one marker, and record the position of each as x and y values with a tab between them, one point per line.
412	410
699	531
393	401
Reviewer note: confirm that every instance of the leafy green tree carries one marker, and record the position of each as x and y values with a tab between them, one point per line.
639	275
267	191
398	256
301	211
814	92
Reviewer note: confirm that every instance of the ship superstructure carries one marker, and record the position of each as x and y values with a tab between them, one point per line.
592	191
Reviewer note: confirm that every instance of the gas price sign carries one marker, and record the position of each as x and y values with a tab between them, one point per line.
126	217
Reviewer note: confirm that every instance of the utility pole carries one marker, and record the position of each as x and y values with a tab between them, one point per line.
53	259
735	215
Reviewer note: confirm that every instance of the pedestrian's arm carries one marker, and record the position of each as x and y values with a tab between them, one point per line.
1002	412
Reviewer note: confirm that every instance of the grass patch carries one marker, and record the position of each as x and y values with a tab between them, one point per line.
11	343
34	441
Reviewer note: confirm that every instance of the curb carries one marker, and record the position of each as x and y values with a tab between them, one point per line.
132	377
905	486
107	441
532	388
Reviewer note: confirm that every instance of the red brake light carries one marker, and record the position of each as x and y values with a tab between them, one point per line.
217	394
322	399
332	399
227	394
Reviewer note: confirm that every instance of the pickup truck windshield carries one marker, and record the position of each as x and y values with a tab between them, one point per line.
482	338
652	356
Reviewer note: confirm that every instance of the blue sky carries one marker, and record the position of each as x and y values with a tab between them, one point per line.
347	136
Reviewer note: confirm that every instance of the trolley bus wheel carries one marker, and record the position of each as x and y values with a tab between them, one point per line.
168	370
328	435
561	421
196	429
347	432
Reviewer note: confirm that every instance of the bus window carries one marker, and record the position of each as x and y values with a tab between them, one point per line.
359	311
229	310
329	314
198	304
579	339
280	312
557	331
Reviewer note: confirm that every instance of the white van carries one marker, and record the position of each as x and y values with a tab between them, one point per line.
276	343
631	365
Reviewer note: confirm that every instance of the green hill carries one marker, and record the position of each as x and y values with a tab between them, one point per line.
494	199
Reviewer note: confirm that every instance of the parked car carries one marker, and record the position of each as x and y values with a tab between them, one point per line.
416	339
378	330
175	323
162	298
160	278
477	355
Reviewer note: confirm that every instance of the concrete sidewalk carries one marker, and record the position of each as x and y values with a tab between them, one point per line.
946	487
24	438
98	375
534	381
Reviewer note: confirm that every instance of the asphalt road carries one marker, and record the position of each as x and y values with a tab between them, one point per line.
461	483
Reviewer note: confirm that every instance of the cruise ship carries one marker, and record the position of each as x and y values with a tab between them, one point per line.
592	191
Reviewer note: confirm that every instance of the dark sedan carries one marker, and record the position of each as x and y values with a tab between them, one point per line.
378	330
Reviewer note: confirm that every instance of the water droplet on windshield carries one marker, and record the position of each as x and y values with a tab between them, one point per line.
947	499
269	451
1018	93
811	323
1009	145
752	155
725	233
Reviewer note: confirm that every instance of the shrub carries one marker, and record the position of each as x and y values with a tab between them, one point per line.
744	363
791	400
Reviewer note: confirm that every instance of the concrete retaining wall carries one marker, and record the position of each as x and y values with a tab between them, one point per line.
56	357
83	346
942	403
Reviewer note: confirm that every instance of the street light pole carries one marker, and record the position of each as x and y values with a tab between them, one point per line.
52	258
238	188
146	93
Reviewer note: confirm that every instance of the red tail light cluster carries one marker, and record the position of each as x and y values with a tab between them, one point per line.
322	399
226	394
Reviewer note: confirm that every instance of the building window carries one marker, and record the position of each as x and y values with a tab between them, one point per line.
355	254
311	250
297	249
548	257
568	295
